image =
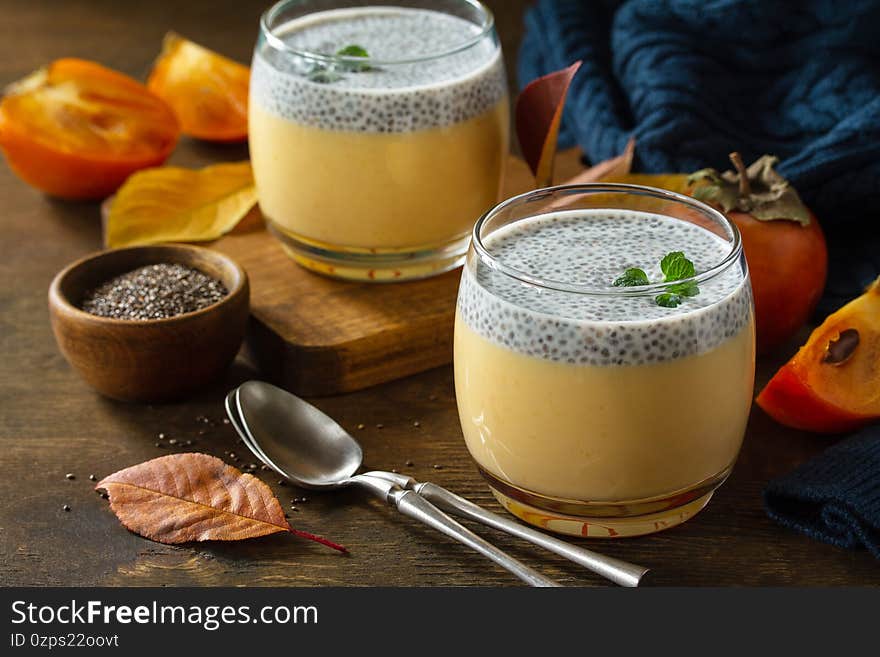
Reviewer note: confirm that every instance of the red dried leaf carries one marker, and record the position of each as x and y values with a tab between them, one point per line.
616	167
538	114
195	497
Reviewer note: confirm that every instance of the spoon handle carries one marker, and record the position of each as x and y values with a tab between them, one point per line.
616	570
411	504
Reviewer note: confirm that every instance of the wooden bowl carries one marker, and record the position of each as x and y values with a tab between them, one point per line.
149	360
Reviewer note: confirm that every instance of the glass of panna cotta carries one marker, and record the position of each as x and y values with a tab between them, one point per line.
377	133
598	400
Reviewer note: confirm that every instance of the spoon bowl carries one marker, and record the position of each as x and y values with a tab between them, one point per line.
321	454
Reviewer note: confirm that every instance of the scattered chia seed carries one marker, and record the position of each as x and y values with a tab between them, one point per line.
66	507
158	444
281	482
93	477
70	475
154	292
173	441
360	427
437	466
226	420
264	467
293	508
409	464
105	495
188	443
161	436
417	424
380	426
303	499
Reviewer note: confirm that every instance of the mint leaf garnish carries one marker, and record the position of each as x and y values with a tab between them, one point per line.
668	300
631	278
675	267
685	289
323	75
353	50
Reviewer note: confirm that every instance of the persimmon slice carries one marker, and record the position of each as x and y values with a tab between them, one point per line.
832	384
208	92
76	129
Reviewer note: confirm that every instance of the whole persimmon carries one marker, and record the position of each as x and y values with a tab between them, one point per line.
782	240
77	130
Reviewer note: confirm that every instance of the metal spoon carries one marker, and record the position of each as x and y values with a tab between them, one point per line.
318	433
322	455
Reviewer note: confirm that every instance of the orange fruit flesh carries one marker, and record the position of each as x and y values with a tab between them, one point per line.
83	108
208	92
853	385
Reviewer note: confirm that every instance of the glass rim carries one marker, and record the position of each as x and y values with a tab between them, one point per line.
277	43
493	261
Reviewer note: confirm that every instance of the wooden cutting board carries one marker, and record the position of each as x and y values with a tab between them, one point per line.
319	336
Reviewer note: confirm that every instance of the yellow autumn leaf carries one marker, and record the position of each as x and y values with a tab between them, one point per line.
173	204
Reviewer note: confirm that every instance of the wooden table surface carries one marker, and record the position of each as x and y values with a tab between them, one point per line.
52	424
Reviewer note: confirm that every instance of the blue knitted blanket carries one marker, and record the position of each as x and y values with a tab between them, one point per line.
693	80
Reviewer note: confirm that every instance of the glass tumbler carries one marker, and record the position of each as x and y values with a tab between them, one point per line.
377	133
596	409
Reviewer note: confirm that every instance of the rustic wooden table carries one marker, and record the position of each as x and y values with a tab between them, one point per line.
52	424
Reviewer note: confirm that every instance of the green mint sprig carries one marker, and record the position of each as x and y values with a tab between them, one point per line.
675	267
631	278
353	50
326	74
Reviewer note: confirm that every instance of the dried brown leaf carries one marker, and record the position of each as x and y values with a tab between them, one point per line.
195	497
538	115
607	170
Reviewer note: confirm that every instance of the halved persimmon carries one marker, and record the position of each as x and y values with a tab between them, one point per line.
77	130
832	384
208	92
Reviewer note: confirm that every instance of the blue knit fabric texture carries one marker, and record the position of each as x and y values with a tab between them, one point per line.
836	496
693	80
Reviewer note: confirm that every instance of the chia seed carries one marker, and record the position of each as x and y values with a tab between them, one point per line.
154	292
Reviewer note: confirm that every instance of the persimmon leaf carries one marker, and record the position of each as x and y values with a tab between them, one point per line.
172	204
538	114
195	497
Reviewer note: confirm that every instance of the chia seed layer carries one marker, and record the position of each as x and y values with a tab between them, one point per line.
591	248
385	98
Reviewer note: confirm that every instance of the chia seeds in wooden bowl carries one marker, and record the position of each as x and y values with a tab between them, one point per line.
150	323
155	291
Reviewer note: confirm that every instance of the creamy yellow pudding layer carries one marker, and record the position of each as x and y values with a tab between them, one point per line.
377	190
602	433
